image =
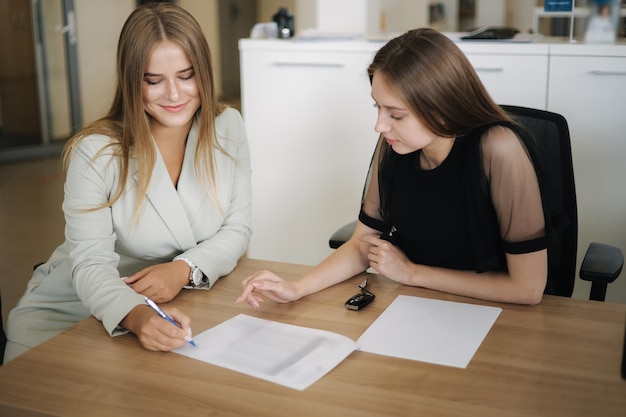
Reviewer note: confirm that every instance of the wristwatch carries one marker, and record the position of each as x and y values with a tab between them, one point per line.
196	277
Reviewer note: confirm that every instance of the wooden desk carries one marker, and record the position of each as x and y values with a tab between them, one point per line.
560	358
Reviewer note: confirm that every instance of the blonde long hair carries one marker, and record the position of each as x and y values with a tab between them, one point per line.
127	122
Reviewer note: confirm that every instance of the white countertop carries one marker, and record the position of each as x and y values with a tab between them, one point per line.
537	46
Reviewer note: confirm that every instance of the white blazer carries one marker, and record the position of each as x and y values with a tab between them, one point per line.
82	277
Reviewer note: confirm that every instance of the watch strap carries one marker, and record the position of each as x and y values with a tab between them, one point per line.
192	269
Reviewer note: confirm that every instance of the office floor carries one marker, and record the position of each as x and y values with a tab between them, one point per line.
31	221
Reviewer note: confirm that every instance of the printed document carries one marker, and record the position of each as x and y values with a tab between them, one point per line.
285	354
420	329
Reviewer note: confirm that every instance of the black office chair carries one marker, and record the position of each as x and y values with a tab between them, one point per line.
602	263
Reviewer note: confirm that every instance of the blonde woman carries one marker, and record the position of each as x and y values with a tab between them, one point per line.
157	194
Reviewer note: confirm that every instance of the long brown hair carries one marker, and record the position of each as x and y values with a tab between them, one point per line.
437	82
127	122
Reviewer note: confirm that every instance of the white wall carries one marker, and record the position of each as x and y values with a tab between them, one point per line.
490	13
98	27
342	15
396	16
519	14
206	13
366	17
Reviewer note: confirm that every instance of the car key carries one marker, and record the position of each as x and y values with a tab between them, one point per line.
359	301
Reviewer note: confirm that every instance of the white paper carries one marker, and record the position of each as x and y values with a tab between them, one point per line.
434	331
285	354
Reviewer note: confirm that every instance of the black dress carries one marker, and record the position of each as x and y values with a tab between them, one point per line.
482	201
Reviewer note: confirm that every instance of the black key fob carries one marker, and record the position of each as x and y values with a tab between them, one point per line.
359	301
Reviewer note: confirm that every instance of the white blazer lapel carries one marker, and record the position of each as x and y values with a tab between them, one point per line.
190	192
164	199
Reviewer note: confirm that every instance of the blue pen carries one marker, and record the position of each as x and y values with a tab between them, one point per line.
162	313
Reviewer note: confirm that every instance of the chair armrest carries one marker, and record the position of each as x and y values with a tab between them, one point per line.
342	235
602	265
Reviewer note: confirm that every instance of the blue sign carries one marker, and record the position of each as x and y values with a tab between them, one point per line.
558	5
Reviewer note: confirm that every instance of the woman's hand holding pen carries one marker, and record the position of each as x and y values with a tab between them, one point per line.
160	282
157	334
269	285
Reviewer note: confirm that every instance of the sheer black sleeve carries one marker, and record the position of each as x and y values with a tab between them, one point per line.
514	189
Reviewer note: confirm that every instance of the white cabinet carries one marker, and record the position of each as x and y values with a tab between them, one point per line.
588	86
514	74
310	122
